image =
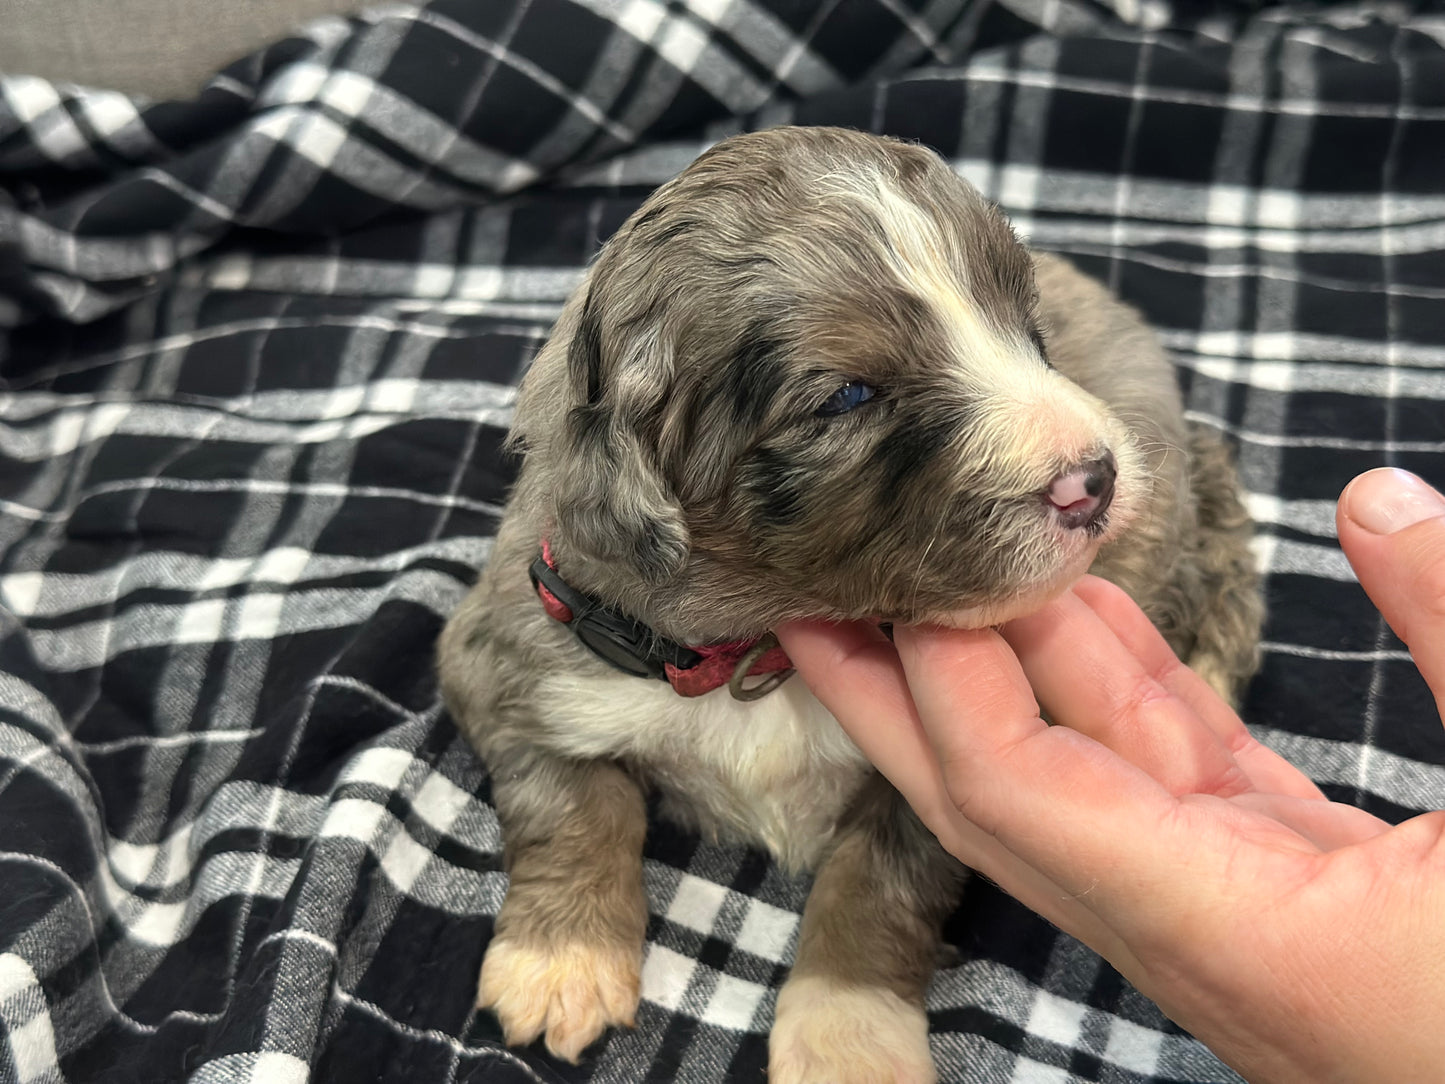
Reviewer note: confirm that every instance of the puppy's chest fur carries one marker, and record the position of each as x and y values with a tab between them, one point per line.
777	771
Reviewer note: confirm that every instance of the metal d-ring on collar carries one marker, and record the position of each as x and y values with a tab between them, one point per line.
747	662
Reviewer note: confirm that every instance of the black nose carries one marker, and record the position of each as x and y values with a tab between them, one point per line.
1081	496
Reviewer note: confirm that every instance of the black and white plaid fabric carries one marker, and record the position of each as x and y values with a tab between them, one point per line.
257	363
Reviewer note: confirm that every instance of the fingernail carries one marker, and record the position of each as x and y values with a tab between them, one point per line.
1387	500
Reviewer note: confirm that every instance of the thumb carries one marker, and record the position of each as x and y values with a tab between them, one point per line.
1392	528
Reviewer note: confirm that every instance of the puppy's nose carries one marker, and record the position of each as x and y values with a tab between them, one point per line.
1081	496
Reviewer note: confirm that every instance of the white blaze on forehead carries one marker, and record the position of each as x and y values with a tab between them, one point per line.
924	265
1036	421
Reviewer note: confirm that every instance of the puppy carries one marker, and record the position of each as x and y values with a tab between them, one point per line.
816	375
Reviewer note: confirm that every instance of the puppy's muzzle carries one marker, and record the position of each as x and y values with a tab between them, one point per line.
1081	496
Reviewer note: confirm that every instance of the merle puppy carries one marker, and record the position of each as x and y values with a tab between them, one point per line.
816	375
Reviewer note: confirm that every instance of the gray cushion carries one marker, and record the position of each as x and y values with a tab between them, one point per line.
155	48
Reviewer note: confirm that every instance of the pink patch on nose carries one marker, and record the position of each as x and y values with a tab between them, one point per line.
1071	489
1080	496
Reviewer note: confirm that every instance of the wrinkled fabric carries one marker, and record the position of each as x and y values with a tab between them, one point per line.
258	357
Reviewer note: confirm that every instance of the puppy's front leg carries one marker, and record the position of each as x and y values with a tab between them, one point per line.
851	1011
565	959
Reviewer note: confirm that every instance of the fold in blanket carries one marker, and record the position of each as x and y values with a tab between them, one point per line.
258	359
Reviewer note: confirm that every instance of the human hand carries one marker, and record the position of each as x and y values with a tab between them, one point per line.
1300	939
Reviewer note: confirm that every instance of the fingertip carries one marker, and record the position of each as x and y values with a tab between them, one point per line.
1057	618
1392	529
1391	526
963	673
1099	593
826	641
1387	500
1117	609
856	674
935	647
804	641
849	666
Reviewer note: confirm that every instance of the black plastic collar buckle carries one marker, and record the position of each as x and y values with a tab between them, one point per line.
618	640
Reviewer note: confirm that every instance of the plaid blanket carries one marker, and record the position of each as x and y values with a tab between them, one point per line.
258	352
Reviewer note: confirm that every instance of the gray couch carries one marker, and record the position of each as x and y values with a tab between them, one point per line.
153	48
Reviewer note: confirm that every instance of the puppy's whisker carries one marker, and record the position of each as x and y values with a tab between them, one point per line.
918	571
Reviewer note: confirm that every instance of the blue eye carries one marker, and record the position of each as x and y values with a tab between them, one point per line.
850	395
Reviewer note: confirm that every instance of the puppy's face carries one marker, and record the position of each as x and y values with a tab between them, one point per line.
809	378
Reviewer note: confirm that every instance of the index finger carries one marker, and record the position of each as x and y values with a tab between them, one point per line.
858	677
856	674
1053	796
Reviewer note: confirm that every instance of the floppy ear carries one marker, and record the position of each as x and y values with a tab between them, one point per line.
610	498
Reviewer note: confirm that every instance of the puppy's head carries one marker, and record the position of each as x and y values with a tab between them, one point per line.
807	377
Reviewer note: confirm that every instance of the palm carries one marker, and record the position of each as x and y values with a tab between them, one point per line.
1296	936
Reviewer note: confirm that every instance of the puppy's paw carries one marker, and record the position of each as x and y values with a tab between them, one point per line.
825	1033
572	992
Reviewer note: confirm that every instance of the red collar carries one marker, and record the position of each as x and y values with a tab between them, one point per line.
633	647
